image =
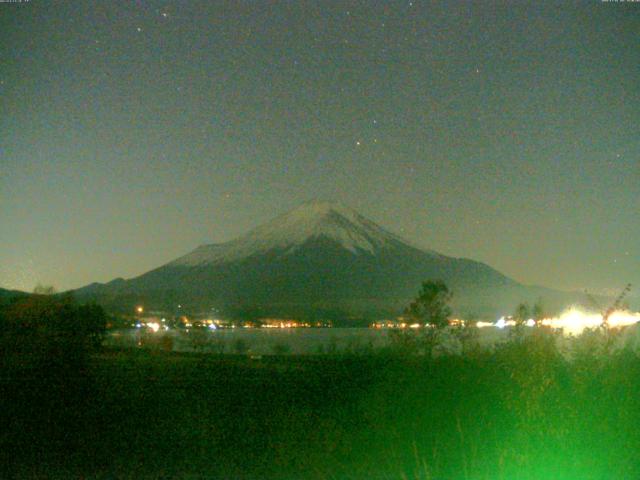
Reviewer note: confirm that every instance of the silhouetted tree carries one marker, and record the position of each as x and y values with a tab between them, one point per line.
52	328
521	315
44	289
431	305
431	309
537	312
45	385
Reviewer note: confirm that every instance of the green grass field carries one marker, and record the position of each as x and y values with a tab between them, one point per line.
522	412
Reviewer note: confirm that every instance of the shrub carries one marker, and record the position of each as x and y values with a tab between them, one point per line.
281	349
44	328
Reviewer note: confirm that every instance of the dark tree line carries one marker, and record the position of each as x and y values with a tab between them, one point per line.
46	327
45	384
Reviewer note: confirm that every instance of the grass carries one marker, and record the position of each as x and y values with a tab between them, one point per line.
521	412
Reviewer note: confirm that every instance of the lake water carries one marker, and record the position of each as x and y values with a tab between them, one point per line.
302	341
296	341
257	341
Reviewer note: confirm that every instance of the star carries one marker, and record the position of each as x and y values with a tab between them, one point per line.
139	29
165	14
358	143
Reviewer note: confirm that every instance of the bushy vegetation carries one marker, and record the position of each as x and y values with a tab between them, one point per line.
521	410
45	383
43	328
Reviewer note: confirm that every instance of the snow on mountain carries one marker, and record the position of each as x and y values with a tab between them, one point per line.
291	230
317	260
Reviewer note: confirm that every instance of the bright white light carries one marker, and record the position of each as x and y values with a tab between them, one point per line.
485	324
155	326
621	318
213	326
574	321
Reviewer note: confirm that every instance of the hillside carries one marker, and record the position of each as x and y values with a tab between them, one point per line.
321	260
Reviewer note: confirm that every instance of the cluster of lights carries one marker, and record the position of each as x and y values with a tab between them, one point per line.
573	321
153	326
286	324
392	324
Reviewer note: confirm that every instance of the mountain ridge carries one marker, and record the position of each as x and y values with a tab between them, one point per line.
318	259
291	229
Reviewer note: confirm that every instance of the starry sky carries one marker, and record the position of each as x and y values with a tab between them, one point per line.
506	132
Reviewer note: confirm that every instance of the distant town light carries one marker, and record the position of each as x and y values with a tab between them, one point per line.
485	324
139	309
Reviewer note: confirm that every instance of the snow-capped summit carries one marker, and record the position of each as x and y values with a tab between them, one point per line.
311	220
319	259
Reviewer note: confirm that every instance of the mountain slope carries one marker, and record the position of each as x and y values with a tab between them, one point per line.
7	296
292	230
321	259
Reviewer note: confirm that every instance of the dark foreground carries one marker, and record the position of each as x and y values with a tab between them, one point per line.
522	412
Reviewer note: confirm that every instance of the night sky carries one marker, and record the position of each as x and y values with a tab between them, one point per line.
132	132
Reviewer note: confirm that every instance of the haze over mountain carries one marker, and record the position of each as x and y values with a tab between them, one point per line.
320	260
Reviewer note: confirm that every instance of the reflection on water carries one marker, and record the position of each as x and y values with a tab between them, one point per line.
296	341
258	341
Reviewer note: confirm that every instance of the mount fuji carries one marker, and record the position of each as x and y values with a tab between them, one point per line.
320	260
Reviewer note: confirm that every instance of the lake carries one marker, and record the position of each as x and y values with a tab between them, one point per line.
298	341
